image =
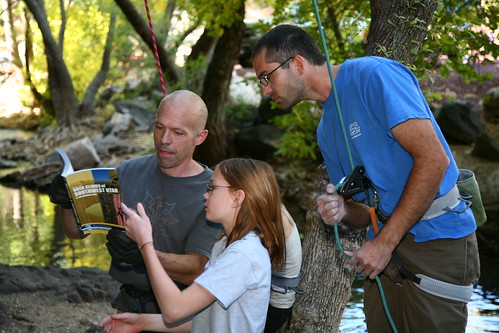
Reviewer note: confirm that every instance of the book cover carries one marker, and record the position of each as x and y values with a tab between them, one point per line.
96	196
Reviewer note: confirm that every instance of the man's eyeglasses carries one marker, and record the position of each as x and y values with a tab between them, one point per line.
264	80
210	188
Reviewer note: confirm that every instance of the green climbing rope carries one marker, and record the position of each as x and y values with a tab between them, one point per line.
335	225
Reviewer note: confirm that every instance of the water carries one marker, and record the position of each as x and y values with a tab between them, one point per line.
483	309
31	234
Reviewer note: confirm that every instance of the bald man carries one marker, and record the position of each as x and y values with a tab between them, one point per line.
170	184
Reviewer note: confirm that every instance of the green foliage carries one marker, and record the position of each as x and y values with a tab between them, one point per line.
299	140
345	24
237	112
461	33
194	71
84	41
215	14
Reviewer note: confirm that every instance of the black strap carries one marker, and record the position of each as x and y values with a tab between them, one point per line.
404	272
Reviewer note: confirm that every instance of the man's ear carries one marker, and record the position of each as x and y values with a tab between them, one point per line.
239	196
201	137
299	62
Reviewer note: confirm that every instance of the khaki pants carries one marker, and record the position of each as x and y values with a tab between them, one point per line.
413	310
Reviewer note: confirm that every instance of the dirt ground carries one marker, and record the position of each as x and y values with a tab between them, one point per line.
54	300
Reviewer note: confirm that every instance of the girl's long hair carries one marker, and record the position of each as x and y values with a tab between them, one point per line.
261	208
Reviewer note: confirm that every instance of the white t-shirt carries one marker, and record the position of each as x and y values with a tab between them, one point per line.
279	297
239	277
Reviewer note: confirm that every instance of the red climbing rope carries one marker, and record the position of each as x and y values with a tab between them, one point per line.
155	47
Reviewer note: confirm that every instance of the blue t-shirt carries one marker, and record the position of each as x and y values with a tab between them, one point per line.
376	94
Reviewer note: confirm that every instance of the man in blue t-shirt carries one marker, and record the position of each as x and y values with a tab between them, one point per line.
382	115
170	184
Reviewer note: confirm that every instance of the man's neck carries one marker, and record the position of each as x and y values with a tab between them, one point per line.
186	169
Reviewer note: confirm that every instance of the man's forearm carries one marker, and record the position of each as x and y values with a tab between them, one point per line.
357	216
70	225
420	190
183	268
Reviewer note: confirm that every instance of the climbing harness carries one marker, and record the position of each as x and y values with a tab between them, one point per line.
282	285
435	287
155	48
445	203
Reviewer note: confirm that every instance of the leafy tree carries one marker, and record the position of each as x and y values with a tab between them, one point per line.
461	34
63	92
9	31
135	18
60	84
217	81
223	25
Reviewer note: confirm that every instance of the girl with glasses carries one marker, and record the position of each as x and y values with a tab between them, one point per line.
232	294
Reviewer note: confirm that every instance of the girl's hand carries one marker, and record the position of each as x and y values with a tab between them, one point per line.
121	323
137	224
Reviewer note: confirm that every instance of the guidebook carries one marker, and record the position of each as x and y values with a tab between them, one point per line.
95	195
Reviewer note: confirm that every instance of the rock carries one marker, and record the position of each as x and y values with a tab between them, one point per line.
487	147
108	144
142	117
37	177
108	93
258	142
490	102
82	154
50	299
4	164
119	124
459	122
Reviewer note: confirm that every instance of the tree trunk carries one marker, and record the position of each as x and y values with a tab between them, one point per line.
169	10
326	277
62	29
398	28
9	32
28	55
142	28
64	101
203	46
87	105
216	91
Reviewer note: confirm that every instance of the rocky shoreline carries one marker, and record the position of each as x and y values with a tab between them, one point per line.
49	299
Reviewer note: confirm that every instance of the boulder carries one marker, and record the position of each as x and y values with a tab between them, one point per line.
118	125
108	144
487	147
258	142
141	116
5	164
459	122
490	103
82	154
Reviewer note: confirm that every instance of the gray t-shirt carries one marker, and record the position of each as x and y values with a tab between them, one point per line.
239	277
175	206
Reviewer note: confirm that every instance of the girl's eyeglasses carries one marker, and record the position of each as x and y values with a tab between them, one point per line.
210	188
